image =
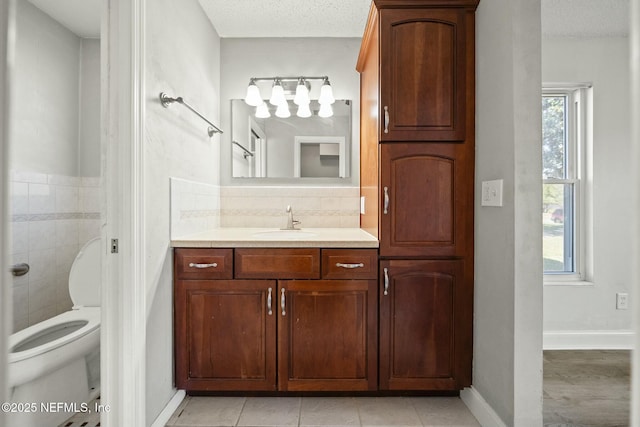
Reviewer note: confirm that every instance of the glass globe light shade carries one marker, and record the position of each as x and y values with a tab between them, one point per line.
325	110
253	96
283	110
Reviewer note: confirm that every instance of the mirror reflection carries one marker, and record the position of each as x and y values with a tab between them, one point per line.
293	147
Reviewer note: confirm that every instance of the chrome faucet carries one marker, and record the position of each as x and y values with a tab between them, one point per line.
291	223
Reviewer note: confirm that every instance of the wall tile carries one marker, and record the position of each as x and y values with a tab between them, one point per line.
42	199
53	215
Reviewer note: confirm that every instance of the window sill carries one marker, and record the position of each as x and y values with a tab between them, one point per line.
577	282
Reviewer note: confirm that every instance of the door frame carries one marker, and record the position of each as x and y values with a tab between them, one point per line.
123	331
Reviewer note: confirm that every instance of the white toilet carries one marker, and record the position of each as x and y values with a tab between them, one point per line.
58	360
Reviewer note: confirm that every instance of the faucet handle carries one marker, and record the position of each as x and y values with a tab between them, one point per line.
288	208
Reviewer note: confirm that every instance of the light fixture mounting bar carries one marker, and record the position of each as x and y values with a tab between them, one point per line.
289	78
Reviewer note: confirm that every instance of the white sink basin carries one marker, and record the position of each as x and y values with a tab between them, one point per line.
284	234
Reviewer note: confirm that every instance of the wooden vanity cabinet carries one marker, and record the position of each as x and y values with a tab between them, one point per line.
427	198
225	335
327	335
425	339
417	149
423	67
289	334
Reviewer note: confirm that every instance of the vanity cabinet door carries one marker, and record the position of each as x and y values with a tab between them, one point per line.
327	335
426	200
225	334
422	74
425	325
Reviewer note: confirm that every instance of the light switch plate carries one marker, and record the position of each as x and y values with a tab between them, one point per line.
492	193
362	205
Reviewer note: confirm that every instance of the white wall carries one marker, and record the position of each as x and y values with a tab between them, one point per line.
89	114
243	58
586	316
45	109
181	59
6	9
55	138
507	367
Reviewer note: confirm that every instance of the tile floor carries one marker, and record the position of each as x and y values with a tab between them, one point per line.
322	411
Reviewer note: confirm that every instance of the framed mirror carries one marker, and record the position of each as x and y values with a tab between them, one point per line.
294	147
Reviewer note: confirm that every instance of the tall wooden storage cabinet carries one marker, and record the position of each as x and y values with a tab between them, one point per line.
417	178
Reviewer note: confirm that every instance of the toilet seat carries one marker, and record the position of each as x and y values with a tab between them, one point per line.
41	358
90	315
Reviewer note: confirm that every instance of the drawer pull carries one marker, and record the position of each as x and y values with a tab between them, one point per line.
212	265
282	302
269	311
359	265
386	281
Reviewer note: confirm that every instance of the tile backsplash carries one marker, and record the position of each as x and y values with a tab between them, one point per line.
196	206
327	207
52	217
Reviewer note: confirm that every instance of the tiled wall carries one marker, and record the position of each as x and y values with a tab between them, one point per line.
327	207
194	207
52	217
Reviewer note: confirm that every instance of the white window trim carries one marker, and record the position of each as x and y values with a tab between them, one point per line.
580	146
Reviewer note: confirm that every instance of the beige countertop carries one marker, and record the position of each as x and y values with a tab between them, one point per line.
275	238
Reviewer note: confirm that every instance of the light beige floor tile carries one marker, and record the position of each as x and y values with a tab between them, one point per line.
329	411
443	411
387	411
270	411
209	412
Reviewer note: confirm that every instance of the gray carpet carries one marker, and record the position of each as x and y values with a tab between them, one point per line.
586	388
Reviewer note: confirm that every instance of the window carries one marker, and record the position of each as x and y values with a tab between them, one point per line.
564	116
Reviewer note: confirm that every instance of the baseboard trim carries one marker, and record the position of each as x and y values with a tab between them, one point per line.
588	340
169	409
480	409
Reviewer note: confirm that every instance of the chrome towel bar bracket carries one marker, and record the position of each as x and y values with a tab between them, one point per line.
166	100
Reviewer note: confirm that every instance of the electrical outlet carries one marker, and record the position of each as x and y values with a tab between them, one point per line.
362	203
622	301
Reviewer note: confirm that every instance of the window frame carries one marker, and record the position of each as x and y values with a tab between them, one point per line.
579	114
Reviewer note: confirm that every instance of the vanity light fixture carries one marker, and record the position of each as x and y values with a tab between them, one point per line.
325	111
326	93
253	96
262	111
302	93
303	111
277	94
282	88
283	110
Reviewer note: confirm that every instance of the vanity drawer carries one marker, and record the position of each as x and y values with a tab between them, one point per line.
298	263
204	263
349	263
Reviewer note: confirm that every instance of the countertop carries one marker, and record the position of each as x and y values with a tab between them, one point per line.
275	238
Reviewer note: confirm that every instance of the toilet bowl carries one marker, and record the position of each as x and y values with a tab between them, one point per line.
57	360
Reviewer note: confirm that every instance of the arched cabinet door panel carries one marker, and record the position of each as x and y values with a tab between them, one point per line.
422	75
427	201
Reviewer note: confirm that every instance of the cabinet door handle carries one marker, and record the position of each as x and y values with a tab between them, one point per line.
269	311
359	265
386	119
212	265
386	200
386	281
283	302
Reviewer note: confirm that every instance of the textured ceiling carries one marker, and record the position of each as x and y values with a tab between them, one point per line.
341	18
585	18
287	18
